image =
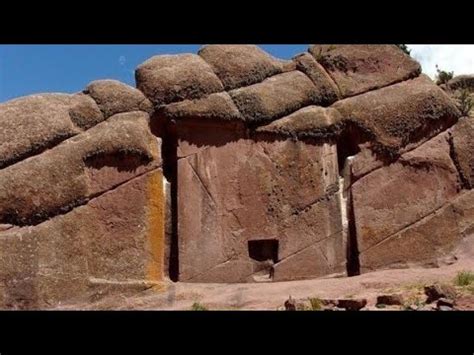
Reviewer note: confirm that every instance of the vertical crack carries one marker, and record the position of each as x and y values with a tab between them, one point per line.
166	129
454	157
347	147
353	263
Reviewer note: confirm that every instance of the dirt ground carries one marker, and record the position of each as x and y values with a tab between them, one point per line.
271	296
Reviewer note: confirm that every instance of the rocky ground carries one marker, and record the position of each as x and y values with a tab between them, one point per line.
401	289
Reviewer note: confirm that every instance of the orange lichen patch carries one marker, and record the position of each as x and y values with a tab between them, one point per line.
156	221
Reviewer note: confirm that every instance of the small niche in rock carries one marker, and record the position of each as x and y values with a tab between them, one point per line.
264	253
107	170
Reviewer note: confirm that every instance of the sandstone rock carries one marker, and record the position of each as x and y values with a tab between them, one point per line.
275	97
350	304
437	291
310	121
462	140
463	206
214	107
423	243
320	259
444	308
326	87
445	302
360	68
114	97
116	238
397	196
401	114
290	305
462	82
271	193
78	169
31	124
390	300
240	65
170	78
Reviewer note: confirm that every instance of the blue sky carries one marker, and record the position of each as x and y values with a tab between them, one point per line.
27	69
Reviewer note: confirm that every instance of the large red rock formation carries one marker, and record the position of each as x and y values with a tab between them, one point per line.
343	160
86	216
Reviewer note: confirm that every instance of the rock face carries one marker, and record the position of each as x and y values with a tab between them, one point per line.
253	200
171	78
56	118
114	97
238	66
233	166
86	216
462	82
360	68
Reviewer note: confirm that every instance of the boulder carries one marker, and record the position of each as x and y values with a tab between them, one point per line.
171	78
462	140
390	300
240	65
360	68
115	241
462	82
445	302
213	107
396	196
439	291
82	167
402	115
114	97
275	97
310	121
290	304
257	196
32	124
327	89
426	243
352	304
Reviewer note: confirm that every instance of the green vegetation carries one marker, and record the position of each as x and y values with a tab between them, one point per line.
404	48
198	307
443	76
316	304
464	278
465	102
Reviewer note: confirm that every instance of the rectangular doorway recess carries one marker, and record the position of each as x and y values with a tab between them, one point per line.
263	250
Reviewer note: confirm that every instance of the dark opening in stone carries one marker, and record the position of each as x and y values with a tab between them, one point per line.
262	250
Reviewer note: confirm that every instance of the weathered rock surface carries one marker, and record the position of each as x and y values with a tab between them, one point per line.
341	161
214	107
78	169
438	291
401	114
279	193
111	243
352	304
462	138
397	198
327	89
360	68
31	124
461	82
114	97
275	97
240	65
311	121
170	78
390	300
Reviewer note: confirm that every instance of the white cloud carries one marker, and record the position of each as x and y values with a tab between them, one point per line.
457	58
